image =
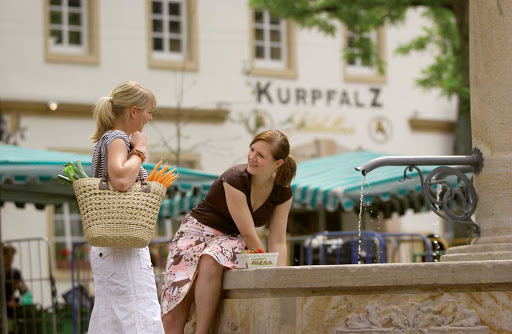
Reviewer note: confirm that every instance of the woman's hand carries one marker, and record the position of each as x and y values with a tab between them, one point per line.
139	141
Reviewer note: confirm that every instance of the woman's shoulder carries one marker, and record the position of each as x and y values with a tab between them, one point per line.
113	134
281	193
236	170
236	176
109	136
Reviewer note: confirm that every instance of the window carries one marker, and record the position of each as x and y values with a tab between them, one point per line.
362	66
67	229
269	41
71	31
272	45
173	34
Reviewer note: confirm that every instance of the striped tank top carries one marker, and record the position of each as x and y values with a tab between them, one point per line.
102	146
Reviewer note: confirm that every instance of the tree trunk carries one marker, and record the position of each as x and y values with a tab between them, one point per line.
463	144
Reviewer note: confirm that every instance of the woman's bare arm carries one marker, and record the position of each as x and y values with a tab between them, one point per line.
239	210
122	172
277	231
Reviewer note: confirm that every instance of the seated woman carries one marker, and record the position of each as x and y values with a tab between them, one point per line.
222	225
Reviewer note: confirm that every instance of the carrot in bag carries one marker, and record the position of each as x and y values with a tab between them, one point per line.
160	176
160	173
166	176
153	172
171	180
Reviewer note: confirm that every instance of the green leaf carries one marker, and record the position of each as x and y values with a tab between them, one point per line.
64	179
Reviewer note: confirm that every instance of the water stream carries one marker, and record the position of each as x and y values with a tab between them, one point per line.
436	247
436	227
361	207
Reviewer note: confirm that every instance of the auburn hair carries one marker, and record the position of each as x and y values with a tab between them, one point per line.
280	149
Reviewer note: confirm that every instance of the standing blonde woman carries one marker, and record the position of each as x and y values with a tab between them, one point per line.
223	224
124	283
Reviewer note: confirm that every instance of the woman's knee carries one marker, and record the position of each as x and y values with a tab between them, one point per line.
174	321
209	266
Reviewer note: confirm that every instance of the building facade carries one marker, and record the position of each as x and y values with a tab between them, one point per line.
221	72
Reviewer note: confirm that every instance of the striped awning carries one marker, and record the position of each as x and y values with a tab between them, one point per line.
184	199
334	183
331	182
29	175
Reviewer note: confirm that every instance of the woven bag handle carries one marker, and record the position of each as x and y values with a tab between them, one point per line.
144	186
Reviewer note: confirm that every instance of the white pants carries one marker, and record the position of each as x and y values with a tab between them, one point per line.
125	298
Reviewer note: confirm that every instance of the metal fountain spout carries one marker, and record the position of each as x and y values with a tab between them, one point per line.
463	194
466	163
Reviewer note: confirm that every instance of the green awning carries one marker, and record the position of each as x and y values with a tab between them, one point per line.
334	183
331	182
29	175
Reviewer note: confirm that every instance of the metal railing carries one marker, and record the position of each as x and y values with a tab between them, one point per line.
351	247
398	238
34	311
323	239
81	280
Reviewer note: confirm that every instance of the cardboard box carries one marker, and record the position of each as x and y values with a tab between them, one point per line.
257	260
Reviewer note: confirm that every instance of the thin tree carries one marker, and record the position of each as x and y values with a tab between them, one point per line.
7	135
448	37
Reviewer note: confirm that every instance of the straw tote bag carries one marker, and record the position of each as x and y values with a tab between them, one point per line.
116	219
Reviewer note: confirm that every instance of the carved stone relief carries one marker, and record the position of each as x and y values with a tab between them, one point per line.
413	318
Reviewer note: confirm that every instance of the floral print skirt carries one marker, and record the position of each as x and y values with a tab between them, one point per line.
192	240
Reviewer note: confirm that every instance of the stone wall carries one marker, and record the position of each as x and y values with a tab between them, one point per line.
459	297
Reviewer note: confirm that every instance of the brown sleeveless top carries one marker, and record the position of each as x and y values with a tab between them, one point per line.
213	210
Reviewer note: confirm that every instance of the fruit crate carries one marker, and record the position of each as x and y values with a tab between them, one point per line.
257	260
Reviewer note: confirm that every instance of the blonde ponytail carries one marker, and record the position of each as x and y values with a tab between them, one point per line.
108	109
104	116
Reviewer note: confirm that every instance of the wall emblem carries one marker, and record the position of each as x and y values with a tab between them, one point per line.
380	129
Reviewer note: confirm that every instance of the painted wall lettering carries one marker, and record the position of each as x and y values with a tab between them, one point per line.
263	91
375	101
266	92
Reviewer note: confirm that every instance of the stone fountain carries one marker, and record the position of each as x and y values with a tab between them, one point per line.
468	292
461	192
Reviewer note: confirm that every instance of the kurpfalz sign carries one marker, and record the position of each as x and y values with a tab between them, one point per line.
269	93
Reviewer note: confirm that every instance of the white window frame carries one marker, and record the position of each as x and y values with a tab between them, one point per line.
66	217
359	73
358	69
165	17
65	10
267	62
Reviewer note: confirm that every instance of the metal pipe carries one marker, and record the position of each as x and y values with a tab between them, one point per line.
460	164
468	160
